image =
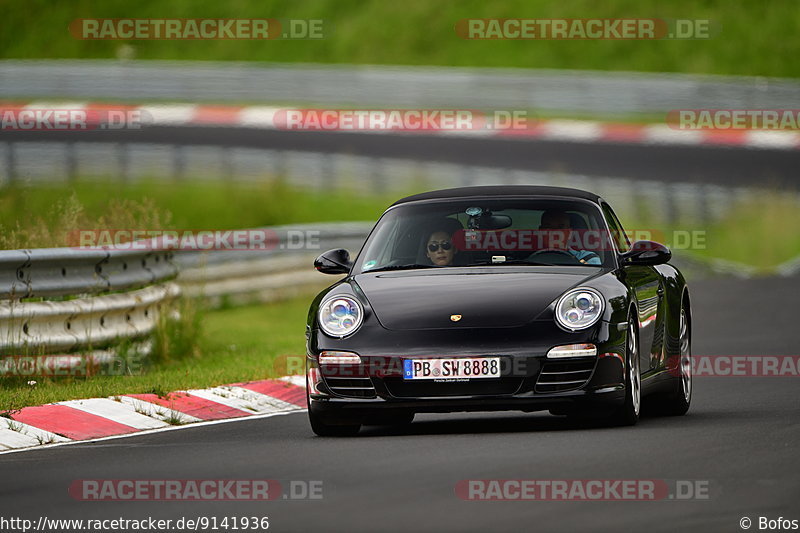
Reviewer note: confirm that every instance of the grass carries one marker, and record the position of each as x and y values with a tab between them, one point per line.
13	425
755	38
67	207
242	344
761	231
173	419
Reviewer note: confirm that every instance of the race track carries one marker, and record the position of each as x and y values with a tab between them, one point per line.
741	436
719	165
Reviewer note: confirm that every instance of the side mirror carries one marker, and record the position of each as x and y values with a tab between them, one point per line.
334	262
646	253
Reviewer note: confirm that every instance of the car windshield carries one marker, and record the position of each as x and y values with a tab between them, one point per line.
490	231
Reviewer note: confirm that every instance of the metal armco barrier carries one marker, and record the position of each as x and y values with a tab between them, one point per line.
673	202
51	272
392	86
49	326
88	300
246	276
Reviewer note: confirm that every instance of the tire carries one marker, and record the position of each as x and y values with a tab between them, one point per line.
677	403
628	413
323	429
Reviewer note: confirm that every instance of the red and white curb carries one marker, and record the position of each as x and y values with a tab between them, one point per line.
97	418
263	117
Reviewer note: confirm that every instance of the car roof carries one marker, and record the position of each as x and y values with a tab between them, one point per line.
500	190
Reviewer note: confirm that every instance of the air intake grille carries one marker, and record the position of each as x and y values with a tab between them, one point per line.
559	376
351	387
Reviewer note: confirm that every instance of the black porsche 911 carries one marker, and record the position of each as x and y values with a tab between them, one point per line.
498	298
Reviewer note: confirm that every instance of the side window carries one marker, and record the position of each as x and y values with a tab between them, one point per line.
618	234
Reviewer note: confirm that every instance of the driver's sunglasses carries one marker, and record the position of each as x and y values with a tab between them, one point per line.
446	245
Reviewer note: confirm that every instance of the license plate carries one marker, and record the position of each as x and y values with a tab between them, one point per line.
446	369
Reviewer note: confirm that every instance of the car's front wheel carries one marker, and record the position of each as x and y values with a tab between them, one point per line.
628	412
678	401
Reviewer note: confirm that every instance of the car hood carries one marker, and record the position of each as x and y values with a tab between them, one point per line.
484	297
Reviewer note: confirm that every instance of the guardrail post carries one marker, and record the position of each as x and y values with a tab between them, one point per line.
327	171
71	162
703	216
178	162
377	175
638	194
11	164
279	164
670	206
226	162
123	159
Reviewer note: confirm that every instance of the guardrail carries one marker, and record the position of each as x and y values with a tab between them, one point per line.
391	86
69	271
34	328
673	202
246	276
66	300
87	299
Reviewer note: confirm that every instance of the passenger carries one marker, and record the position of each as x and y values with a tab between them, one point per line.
558	221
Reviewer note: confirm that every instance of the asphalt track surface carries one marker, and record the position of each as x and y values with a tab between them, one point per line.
740	436
718	165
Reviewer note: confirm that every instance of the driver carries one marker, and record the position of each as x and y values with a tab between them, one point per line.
440	249
555	221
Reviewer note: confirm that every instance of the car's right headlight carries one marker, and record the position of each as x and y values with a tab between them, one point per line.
340	316
579	309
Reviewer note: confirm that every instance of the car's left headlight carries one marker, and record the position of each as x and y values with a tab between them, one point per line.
340	316
579	309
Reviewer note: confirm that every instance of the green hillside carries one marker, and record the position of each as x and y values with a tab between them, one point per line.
754	38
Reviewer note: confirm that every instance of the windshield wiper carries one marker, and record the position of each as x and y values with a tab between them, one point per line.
399	267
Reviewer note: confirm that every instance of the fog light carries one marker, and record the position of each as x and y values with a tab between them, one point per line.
572	350
339	358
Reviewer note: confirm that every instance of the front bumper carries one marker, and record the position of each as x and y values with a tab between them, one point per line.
350	410
528	382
